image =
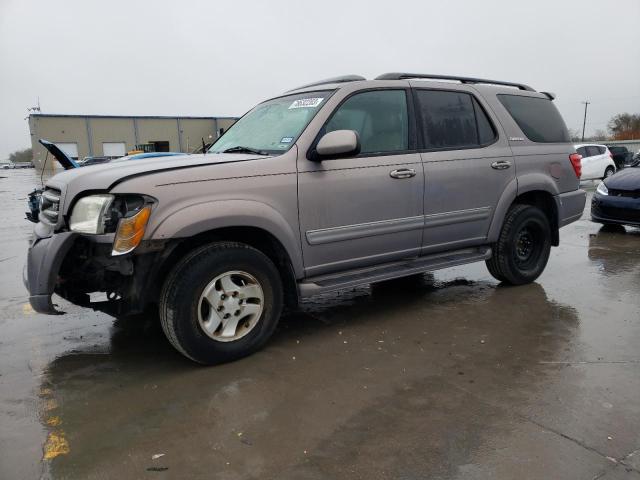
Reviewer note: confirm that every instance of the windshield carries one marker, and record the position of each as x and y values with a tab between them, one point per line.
273	126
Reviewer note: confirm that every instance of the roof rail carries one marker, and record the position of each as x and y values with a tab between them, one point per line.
341	79
405	76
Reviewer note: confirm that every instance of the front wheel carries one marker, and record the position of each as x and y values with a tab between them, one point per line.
221	302
522	250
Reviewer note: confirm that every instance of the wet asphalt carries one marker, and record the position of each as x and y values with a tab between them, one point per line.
449	376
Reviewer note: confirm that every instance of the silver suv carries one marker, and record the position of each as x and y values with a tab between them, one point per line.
335	184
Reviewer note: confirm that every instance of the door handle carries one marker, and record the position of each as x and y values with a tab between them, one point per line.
402	173
501	164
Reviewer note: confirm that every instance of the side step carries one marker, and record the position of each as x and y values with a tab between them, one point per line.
362	276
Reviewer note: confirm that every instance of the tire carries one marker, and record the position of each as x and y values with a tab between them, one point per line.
608	172
187	303
522	250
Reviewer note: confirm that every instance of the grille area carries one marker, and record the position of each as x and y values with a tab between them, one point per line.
625	193
50	206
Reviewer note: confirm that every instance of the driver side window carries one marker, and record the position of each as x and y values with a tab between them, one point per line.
380	118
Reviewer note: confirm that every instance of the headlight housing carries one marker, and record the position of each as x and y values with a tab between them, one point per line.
124	215
89	214
602	189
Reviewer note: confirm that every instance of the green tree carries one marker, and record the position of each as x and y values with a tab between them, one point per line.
21	156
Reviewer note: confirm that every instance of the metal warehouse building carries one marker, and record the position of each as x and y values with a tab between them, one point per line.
95	135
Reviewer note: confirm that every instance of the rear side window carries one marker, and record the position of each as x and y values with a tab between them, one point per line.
538	118
583	151
593	151
380	118
452	120
601	150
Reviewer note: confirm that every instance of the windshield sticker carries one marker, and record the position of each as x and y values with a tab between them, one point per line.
306	103
286	140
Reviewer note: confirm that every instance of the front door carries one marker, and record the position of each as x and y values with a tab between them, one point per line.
468	164
366	209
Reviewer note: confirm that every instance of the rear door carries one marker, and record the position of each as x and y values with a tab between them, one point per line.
593	164
367	209
467	162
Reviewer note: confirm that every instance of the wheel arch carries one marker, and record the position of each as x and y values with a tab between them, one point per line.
537	194
250	222
256	237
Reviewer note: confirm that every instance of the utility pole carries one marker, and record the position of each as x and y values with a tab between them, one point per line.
584	123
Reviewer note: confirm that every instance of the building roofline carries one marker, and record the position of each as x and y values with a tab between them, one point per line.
161	117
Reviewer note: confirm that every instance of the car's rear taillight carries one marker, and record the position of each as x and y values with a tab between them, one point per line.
611	155
576	163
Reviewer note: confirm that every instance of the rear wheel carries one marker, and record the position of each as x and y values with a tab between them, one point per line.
608	172
221	302
522	250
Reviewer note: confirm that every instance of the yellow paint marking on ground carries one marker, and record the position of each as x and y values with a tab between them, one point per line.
46	392
50	404
27	309
56	445
54	421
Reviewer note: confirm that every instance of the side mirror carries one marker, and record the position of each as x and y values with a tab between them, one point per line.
338	143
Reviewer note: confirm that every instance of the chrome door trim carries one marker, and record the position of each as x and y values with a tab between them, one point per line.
403	173
501	164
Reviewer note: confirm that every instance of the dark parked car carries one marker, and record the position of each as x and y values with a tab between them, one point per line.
621	155
617	199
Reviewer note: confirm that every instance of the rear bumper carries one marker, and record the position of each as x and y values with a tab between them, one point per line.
570	206
45	256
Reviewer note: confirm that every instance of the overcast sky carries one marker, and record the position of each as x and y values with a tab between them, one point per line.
191	57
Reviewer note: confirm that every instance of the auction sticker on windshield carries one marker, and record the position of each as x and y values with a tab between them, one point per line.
306	103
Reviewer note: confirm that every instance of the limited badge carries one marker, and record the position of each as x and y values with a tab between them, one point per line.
306	103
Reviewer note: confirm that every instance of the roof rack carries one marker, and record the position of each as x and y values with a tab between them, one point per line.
341	79
405	76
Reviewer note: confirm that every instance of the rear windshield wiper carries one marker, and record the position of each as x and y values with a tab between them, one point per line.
241	149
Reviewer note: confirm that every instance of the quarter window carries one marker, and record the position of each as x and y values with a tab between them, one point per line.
593	151
538	118
452	120
379	117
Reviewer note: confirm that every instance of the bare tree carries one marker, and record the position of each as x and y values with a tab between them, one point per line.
21	156
625	126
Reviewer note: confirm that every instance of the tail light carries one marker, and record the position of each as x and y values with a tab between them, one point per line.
576	163
611	155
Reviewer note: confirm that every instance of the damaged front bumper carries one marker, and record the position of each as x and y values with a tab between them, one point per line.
44	259
74	265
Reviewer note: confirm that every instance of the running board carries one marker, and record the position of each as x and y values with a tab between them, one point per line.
362	276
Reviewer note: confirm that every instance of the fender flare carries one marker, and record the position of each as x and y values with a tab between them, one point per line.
520	185
211	215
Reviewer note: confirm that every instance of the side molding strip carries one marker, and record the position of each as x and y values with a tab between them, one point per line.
361	230
459	216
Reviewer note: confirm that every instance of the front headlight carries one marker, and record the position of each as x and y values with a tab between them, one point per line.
89	213
602	189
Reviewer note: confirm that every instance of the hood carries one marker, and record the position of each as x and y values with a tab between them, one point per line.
104	176
627	179
65	160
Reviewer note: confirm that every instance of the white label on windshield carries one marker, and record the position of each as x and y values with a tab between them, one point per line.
286	140
306	103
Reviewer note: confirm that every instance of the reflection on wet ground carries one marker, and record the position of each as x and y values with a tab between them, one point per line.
443	376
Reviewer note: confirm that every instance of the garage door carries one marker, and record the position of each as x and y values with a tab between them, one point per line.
71	149
114	149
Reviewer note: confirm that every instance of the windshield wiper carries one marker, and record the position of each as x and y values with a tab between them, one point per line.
241	149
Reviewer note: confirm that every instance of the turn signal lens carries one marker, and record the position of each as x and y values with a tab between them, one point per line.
130	232
576	162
